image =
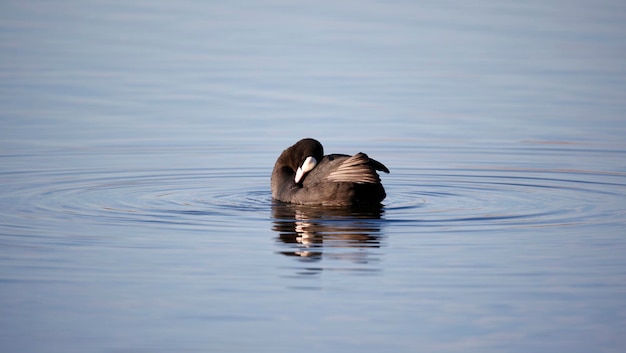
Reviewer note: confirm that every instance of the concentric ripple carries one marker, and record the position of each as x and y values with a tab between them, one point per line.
497	198
180	198
445	199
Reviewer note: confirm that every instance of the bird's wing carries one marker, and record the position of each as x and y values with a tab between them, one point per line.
358	169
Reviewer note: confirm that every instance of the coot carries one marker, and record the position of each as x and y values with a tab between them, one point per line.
303	175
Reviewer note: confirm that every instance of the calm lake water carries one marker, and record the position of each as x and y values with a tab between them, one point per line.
137	141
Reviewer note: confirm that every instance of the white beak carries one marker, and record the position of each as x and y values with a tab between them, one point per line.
308	164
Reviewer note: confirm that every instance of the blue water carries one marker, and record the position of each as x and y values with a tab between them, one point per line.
137	140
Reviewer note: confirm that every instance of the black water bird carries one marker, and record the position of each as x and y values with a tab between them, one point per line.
303	175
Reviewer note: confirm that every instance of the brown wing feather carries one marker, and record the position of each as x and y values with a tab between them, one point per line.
358	169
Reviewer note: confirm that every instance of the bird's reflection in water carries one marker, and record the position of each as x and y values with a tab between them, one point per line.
312	233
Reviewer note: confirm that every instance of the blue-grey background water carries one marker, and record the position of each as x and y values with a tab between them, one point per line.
137	139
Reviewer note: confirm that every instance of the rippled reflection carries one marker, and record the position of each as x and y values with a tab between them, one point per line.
311	233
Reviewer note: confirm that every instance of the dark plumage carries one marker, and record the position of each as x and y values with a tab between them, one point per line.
303	175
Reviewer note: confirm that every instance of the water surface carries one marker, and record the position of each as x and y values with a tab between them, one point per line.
137	140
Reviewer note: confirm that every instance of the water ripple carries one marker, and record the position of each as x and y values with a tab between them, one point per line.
449	199
500	198
187	197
